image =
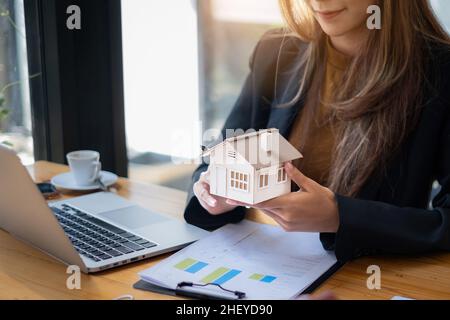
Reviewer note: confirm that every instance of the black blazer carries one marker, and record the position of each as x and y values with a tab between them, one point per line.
392	213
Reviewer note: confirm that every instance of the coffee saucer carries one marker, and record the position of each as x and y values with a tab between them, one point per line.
67	181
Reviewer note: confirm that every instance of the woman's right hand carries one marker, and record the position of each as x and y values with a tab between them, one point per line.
213	204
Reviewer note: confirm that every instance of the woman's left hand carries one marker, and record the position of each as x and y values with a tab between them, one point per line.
312	209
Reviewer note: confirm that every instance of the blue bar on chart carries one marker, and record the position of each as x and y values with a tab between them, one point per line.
196	267
227	276
262	278
190	265
268	279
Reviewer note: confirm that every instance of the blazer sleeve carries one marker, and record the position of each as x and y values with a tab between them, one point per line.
370	227
240	117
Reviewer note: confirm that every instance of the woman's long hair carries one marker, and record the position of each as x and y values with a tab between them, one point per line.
379	100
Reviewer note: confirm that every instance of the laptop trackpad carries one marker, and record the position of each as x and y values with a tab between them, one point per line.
133	217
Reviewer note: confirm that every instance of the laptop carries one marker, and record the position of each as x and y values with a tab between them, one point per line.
95	232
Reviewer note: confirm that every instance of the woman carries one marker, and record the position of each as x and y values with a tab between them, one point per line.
369	110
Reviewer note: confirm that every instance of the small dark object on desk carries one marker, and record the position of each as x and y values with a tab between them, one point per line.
47	190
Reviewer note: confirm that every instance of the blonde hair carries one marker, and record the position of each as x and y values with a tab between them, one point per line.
380	99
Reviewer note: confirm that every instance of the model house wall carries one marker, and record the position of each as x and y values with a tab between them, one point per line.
222	166
250	168
272	188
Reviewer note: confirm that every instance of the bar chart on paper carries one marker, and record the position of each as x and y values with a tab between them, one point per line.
218	276
262	261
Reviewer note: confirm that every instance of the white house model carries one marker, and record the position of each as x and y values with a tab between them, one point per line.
250	167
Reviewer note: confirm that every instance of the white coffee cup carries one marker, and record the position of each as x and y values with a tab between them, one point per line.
85	166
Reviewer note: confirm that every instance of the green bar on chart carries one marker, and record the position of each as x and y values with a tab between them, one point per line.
256	276
215	275
185	263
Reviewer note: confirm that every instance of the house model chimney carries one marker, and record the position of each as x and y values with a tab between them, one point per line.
266	141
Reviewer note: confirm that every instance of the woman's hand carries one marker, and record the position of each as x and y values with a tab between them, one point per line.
213	204
312	209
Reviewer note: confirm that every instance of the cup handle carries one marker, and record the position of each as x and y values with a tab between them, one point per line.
98	168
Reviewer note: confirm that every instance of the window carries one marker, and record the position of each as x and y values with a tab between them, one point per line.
229	31
15	109
161	87
239	181
263	180
282	175
201	50
442	10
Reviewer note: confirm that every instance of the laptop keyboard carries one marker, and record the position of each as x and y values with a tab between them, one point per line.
97	239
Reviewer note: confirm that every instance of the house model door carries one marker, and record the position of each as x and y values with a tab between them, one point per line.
221	181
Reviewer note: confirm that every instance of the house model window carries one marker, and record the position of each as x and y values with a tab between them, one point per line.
239	181
250	167
263	180
282	175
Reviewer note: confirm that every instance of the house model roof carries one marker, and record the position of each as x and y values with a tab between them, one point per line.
261	149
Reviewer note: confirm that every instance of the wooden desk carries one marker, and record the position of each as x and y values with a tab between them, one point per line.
26	273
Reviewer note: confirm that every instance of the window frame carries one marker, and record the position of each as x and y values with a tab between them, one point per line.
265	182
244	181
281	173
